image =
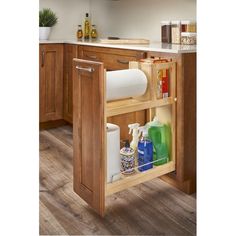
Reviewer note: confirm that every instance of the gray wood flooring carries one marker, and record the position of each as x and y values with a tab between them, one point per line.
151	208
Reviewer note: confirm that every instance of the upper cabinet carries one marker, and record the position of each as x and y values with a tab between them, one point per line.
51	82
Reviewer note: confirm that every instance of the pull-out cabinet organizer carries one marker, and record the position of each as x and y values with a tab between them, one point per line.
89	128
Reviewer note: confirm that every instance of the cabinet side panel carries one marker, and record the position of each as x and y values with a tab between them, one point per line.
189	61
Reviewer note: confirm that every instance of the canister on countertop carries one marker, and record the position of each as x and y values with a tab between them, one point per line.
188	26
175	32
188	38
165	31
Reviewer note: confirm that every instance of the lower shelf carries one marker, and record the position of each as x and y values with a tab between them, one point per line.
139	177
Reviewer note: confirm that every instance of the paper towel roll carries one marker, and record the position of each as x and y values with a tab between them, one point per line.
125	83
113	152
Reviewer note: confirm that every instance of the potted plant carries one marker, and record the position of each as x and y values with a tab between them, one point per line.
47	19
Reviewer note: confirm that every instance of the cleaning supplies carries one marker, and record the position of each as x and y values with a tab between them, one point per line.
160	135
133	128
127	159
154	122
145	150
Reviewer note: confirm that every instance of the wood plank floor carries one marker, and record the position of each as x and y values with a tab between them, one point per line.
152	208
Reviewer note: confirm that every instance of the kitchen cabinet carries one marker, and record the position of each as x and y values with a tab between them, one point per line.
91	113
70	52
51	82
116	59
52	108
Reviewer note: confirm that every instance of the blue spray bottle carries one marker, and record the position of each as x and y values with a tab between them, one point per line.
145	150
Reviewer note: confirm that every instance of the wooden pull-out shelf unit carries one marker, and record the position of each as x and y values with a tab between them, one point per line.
89	131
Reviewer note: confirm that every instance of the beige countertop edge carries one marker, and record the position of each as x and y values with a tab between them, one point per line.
153	46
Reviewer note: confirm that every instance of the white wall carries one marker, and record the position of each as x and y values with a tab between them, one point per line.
70	14
141	18
123	18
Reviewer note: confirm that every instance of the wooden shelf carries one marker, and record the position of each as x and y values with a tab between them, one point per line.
132	105
139	177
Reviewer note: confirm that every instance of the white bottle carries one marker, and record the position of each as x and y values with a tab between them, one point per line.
133	128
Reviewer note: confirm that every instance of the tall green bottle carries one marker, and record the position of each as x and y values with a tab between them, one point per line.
161	138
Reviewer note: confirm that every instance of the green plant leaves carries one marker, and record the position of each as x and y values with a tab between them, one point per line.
47	18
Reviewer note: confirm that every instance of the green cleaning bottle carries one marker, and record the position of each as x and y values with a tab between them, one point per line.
160	135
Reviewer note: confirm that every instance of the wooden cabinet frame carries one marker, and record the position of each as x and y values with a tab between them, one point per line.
89	132
51	82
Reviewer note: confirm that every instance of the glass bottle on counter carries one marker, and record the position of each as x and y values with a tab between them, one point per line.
94	33
79	32
175	32
86	27
165	32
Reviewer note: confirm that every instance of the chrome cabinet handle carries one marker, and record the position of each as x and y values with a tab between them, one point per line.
43	58
91	56
122	61
88	69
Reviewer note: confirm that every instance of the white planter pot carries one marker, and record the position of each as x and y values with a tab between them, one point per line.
44	33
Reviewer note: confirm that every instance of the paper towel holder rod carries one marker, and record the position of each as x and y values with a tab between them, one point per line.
89	69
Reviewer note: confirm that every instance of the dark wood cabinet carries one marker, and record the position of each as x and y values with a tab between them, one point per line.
70	52
51	82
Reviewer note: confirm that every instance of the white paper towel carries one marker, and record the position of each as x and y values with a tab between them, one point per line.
113	152
125	83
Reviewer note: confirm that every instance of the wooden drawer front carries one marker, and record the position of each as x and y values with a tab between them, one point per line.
116	62
113	59
91	56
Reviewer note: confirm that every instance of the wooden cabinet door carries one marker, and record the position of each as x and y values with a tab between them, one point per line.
89	133
51	82
70	52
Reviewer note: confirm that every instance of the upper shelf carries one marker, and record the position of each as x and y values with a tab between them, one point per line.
132	105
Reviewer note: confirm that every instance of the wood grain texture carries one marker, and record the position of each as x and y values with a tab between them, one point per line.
70	52
89	133
152	208
51	82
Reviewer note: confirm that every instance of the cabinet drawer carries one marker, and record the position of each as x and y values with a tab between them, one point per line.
117	62
113	59
91	56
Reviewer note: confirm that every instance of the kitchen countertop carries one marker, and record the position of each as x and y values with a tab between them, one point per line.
153	46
